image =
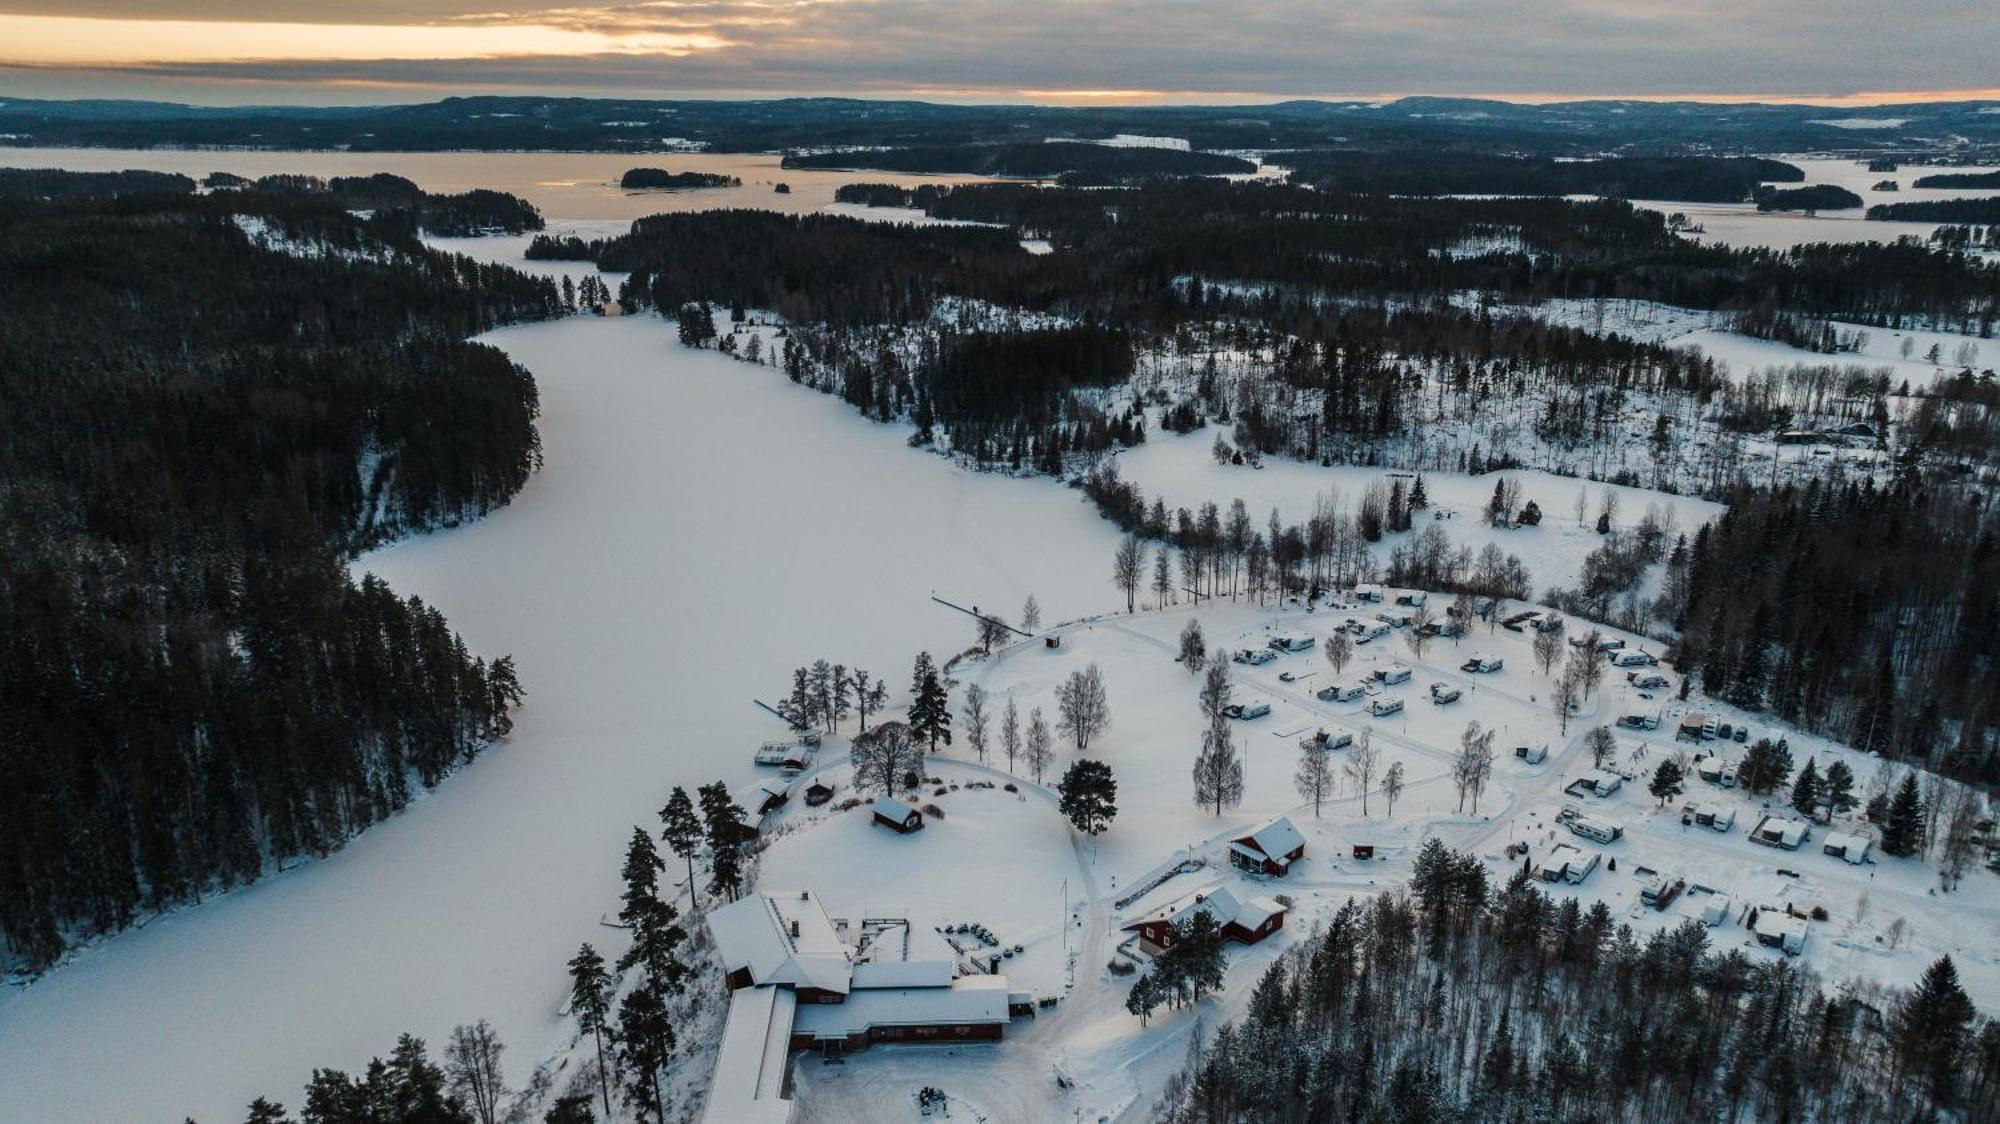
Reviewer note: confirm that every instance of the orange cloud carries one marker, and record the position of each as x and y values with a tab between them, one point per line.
74	41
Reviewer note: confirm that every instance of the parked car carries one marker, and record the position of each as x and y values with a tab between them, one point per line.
1742	733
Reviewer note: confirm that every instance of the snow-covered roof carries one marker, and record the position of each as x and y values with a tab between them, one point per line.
1277	838
1844	841
1792	832
1258	910
1219	902
893	808
781	938
750	1065
901	952
971	999
1777	923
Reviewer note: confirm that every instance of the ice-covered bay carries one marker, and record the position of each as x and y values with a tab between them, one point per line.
700	528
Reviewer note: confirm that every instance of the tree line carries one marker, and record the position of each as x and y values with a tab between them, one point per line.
202	428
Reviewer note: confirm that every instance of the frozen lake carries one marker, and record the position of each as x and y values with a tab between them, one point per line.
569	185
701	528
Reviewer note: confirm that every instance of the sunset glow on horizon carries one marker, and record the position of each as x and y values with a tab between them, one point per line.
1090	52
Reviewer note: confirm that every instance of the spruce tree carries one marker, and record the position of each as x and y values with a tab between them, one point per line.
1840	786
930	705
1806	789
1666	779
1904	830
1931	1029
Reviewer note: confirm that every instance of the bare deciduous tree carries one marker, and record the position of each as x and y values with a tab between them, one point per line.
1081	704
1392	786
1039	752
1602	745
1194	650
1474	765
1419	636
1361	763
1125	566
472	1067
976	720
1010	733
1564	697
1314	777
1339	650
882	756
1548	646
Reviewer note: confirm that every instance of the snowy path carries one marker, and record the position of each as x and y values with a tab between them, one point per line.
701	527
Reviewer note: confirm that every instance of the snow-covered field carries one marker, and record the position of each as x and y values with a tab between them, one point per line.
1179	469
654	576
1882	349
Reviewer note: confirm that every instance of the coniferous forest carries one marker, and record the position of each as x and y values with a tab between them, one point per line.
197	429
1460	1002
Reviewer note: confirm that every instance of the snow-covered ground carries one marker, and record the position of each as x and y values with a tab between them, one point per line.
700	528
1179	469
703	526
1884	923
1881	349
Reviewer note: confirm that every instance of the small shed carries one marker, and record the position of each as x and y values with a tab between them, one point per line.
1270	849
818	792
1841	845
1780	930
1777	831
896	814
1364	850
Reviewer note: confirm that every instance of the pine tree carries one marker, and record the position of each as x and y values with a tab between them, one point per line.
590	1001
1904	830
722	818
1089	796
642	876
645	1045
681	831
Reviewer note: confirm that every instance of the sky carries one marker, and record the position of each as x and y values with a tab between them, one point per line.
1840	52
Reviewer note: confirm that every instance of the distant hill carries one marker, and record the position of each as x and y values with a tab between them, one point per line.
1574	129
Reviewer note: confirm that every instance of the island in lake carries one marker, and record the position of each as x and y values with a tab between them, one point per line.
660	178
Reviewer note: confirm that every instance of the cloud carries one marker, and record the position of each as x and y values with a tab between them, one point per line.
1040	49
